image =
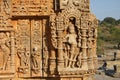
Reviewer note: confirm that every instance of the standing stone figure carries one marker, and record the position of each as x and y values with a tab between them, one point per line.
23	54
23	57
79	62
72	41
4	46
45	57
35	61
66	54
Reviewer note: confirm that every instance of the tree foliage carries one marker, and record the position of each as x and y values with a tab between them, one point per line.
108	32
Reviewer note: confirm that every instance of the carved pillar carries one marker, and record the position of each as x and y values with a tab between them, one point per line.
90	48
52	60
90	54
84	49
94	49
60	50
60	59
12	52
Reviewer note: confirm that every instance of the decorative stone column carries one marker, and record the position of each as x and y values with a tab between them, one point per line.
53	47
60	60
95	60
60	51
12	52
84	49
52	61
90	48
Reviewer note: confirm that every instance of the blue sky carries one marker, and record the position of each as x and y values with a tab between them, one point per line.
106	8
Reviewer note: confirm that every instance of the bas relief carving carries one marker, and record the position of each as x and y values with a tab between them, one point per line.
47	38
4	50
24	58
30	7
35	62
77	36
23	45
71	43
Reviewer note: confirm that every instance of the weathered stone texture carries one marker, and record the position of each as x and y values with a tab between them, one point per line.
47	39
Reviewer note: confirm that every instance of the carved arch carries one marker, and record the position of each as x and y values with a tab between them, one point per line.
76	14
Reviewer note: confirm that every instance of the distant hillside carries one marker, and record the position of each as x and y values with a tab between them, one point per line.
108	35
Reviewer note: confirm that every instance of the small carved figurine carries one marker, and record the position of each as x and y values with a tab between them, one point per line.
35	61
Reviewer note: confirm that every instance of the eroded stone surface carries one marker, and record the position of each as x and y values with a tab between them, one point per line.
47	38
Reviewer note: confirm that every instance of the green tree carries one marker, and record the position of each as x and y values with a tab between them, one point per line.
118	22
109	21
116	36
108	34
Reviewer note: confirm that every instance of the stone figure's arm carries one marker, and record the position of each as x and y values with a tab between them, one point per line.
19	54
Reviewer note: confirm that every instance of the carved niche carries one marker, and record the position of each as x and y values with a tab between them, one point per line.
73	32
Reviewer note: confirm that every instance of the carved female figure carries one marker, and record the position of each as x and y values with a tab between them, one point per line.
4	46
79	62
45	56
35	59
23	57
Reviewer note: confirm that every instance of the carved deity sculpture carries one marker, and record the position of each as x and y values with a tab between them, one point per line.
35	61
4	47
45	57
72	43
79	62
23	55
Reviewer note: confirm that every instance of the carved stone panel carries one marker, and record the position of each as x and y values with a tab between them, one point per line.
23	46
36	47
82	5
30	7
31	47
7	66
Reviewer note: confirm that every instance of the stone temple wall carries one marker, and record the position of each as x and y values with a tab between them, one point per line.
47	40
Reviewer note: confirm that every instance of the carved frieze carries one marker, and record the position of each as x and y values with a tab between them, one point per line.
30	7
5	21
82	5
